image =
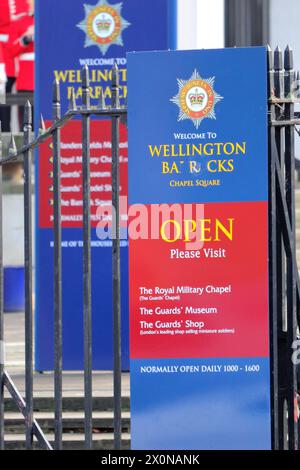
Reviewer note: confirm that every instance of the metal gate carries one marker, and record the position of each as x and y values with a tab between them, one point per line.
85	112
284	297
284	285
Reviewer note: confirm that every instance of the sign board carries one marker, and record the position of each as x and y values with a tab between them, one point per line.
70	34
198	250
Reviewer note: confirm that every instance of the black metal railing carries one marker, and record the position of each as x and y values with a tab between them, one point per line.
85	111
284	276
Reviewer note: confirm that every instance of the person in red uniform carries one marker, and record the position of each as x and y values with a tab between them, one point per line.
4	35
21	46
10	12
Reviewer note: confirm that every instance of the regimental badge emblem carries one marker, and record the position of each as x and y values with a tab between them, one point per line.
103	25
196	99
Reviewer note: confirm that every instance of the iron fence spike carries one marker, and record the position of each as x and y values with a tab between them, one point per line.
115	75
288	58
12	148
56	92
278	63
85	87
85	77
27	114
42	124
269	57
72	101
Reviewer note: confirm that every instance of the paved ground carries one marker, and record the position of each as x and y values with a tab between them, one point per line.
43	383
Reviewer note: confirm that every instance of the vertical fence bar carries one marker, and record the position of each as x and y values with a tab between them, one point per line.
1	313
28	276
291	275
280	252
279	138
115	138
57	269
272	261
88	398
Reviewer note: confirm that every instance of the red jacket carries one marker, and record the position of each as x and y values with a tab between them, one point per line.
10	11
4	14
17	9
4	28
24	53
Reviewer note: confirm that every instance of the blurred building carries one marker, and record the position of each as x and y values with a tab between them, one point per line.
228	23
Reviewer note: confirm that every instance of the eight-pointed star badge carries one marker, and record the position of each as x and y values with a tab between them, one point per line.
196	99
103	25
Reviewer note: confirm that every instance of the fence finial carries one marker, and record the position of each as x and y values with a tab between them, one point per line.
72	101
56	92
27	114
278	64
115	99
288	58
85	77
269	57
85	87
115	75
42	127
12	148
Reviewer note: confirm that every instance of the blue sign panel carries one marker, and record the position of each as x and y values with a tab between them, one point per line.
70	34
248	183
198	251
